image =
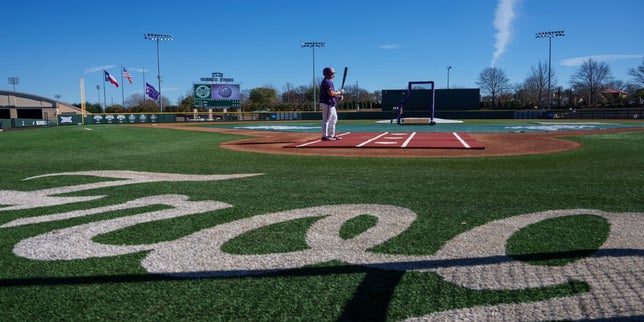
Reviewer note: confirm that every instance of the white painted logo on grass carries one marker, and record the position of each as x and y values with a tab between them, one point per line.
475	259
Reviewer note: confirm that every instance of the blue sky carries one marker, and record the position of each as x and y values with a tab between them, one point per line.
50	45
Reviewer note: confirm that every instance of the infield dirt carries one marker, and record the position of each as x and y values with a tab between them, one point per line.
496	144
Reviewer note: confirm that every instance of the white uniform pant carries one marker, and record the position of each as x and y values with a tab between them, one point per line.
329	119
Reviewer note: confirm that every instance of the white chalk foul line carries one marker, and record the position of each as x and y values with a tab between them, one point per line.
317	141
308	143
371	140
404	145
467	146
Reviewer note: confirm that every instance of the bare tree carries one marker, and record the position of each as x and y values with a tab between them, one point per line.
591	78
377	96
493	82
356	93
536	84
638	74
297	95
133	100
617	84
138	103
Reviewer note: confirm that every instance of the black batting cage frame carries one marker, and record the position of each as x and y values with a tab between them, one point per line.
401	104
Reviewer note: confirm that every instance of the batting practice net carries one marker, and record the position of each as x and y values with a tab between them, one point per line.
413	87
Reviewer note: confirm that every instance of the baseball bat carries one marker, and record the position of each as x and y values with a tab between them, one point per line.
344	77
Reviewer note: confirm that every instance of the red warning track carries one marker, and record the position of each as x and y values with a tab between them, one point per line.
401	140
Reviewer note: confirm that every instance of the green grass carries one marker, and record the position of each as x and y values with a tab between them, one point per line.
576	237
449	195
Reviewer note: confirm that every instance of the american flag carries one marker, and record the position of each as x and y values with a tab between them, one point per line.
127	75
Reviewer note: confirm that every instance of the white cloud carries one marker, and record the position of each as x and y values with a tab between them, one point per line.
98	69
138	70
390	46
503	17
578	61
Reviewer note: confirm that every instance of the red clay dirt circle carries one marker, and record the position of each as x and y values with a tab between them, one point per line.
496	144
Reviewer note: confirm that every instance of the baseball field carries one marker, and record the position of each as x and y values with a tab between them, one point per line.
155	223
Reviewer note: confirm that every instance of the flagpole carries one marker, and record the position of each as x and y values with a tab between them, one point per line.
122	89
104	96
144	100
82	97
158	37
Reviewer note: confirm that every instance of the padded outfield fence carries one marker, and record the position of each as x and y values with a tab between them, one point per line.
136	118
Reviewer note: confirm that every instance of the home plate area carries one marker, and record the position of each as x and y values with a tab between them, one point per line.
401	140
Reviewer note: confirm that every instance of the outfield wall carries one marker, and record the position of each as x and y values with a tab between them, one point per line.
637	113
142	118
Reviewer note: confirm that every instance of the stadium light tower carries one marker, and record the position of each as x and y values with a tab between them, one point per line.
448	69
313	44
549	35
158	37
14	81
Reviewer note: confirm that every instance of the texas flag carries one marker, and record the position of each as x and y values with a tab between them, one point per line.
111	79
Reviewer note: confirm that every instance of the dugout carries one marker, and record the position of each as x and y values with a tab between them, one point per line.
420	100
